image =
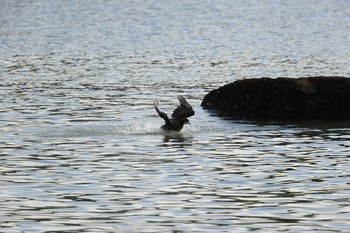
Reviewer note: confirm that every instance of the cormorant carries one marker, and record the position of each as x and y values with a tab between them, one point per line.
179	116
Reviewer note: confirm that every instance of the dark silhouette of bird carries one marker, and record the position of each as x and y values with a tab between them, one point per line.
178	118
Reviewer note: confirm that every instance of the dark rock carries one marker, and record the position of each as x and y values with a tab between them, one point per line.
312	98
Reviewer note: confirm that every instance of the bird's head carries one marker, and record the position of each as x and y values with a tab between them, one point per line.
186	121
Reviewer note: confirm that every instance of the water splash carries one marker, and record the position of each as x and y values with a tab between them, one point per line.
132	128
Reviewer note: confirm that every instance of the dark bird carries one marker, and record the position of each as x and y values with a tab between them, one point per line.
179	116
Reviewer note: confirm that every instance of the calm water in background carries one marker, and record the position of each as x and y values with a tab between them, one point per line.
80	145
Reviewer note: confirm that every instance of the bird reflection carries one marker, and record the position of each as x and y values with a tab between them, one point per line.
176	137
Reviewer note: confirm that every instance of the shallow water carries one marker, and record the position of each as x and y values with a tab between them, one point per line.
80	144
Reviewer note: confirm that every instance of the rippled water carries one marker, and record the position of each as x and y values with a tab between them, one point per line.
80	145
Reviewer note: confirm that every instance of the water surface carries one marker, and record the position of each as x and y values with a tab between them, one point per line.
80	145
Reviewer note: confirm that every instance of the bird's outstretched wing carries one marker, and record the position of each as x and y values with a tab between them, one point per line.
183	111
160	113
